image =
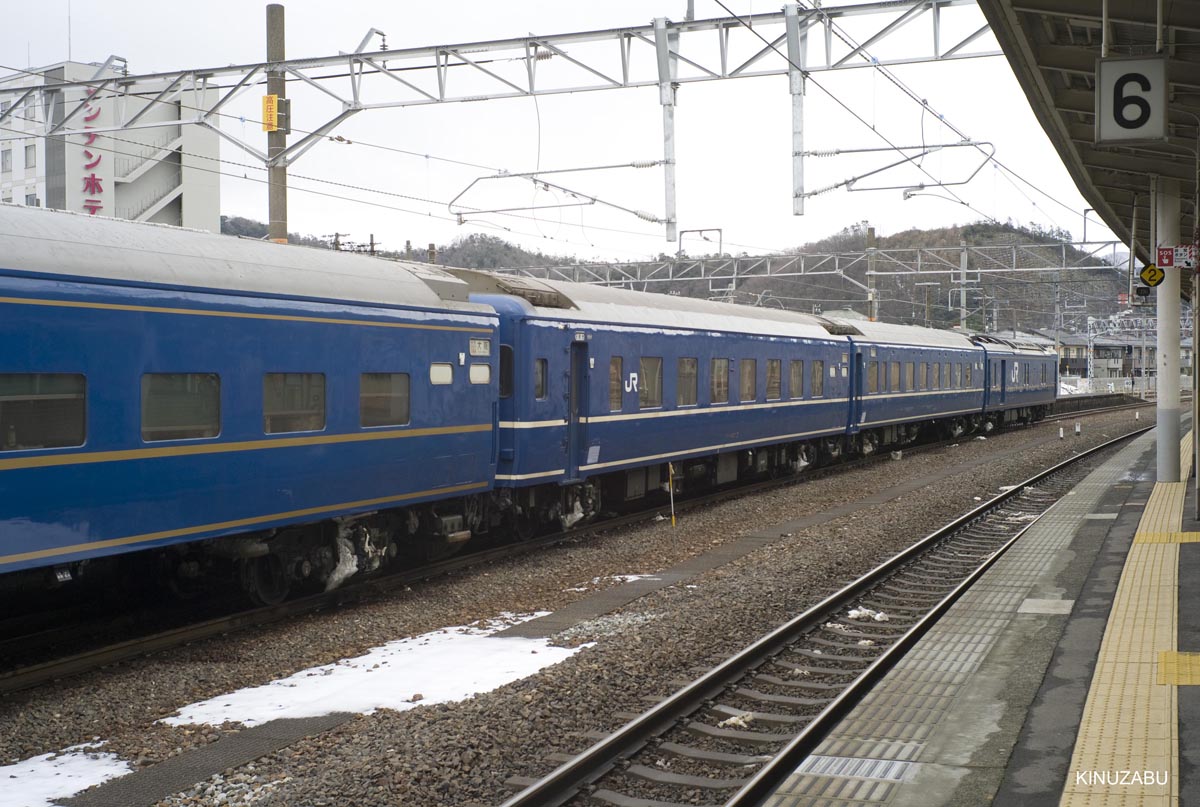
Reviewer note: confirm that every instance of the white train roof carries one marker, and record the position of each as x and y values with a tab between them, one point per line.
61	243
888	333
584	302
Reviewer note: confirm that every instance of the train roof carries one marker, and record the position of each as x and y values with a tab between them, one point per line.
584	302
892	334
55	242
1000	344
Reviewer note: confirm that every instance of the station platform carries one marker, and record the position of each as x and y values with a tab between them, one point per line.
1061	679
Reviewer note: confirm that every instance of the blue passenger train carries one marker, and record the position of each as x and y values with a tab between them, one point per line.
299	416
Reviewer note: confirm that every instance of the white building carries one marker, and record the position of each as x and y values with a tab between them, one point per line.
165	174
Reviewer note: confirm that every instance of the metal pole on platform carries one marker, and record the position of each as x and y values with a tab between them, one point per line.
277	218
666	42
1167	234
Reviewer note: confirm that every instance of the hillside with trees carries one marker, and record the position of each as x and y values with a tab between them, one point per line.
996	301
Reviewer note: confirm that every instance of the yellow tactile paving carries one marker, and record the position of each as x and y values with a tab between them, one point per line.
1167	538
1127	750
1178	669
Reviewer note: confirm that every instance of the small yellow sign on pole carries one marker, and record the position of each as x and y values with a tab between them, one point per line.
1152	275
270	113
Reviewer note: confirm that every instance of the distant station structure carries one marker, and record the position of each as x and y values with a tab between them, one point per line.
164	173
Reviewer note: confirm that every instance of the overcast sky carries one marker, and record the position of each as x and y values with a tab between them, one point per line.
734	136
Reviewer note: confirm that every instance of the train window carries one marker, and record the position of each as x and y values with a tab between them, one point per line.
720	381
894	381
480	373
180	406
872	377
294	402
42	410
967	375
774	379
818	378
935	380
686	383
383	399
922	376
796	380
946	376
615	380
506	371
650	382
910	376
540	379
749	378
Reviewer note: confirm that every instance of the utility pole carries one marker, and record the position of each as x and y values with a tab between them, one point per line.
872	294
433	253
277	138
962	289
337	240
928	321
372	245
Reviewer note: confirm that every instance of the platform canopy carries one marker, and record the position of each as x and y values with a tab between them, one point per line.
1053	47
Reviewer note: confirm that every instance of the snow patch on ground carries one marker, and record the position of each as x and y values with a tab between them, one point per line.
446	665
42	781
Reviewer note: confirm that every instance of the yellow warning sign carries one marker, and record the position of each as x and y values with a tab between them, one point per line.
1151	275
270	113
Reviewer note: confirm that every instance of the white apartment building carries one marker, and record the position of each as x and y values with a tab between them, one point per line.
166	174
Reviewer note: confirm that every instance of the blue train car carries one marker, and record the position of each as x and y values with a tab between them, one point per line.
161	387
913	376
602	388
1022	380
605	393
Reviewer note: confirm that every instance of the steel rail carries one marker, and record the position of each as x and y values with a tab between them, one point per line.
572	777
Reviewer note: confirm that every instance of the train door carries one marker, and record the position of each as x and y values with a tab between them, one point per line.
858	376
1003	389
576	407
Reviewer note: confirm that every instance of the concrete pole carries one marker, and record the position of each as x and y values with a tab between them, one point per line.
1167	234
276	141
962	290
872	292
666	42
797	45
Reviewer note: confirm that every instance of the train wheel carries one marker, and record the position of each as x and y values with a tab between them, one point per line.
264	579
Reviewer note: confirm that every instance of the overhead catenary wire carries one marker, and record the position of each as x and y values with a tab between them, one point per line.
833	97
924	104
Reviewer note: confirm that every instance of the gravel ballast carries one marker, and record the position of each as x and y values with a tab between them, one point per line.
463	752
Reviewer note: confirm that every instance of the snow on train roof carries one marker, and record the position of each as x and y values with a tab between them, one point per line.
62	243
584	302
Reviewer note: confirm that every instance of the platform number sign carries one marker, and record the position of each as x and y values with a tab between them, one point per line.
1131	99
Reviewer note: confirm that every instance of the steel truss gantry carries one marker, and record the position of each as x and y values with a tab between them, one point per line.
963	264
664	54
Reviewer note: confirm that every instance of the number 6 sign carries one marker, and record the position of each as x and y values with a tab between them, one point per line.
1131	99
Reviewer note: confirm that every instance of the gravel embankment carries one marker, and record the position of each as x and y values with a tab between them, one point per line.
462	753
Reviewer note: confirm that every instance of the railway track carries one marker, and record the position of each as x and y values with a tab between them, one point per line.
732	735
75	662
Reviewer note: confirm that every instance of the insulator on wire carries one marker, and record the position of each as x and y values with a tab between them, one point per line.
650	217
644	163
